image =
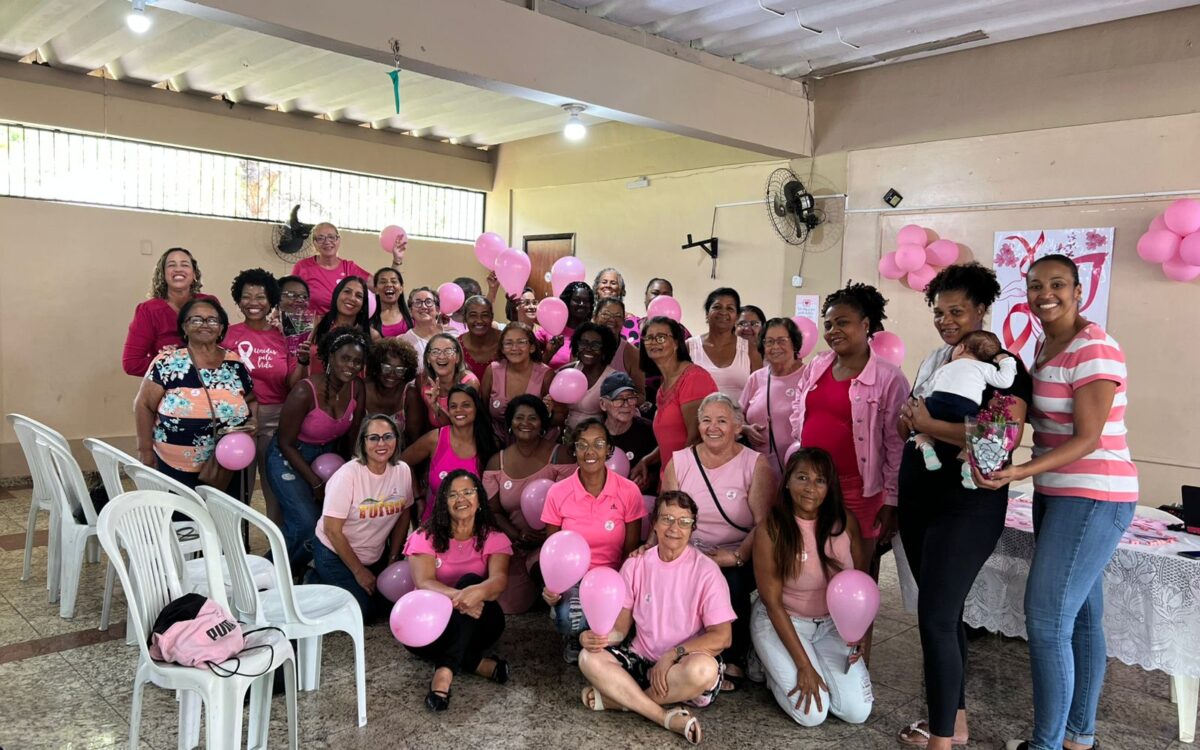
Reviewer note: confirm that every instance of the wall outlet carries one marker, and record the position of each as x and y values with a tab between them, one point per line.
797	282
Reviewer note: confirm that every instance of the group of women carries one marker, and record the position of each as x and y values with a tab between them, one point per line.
750	471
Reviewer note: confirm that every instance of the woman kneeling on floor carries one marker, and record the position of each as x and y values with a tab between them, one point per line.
461	553
679	602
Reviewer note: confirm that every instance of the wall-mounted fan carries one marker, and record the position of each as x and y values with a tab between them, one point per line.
791	207
291	240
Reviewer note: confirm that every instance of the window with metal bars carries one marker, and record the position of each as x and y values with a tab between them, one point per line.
103	171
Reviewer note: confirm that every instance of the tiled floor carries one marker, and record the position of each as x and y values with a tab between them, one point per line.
78	697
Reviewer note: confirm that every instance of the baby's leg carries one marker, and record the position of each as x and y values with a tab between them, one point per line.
924	444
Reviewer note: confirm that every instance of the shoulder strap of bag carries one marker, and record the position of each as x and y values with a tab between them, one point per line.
711	492
212	411
771	426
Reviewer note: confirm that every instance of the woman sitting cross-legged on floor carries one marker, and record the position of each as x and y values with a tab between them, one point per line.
679	602
807	538
461	553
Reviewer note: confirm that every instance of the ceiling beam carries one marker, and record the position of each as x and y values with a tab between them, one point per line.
510	49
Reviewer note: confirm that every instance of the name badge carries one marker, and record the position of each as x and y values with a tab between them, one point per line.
609	525
508	485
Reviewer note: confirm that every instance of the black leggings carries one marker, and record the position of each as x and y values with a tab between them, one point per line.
741	585
461	647
948	533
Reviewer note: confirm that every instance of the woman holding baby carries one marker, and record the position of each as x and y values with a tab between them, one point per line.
948	529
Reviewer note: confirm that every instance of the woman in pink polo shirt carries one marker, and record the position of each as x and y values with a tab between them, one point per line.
155	326
459	552
603	507
323	271
679	602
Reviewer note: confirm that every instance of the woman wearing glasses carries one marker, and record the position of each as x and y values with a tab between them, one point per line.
750	323
603	507
459	552
426	310
767	398
367	505
426	401
516	372
155	324
391	366
188	390
610	313
592	347
323	271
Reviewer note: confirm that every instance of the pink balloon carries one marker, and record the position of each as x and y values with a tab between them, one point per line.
565	558
888	347
911	234
533	499
488	247
512	268
648	520
941	252
920	278
1183	216
888	268
618	462
1176	270
853	601
787	456
1189	249
1157	223
326	464
372	303
552	314
602	594
389	235
395	581
808	335
565	270
910	257
420	617
665	306
235	451
450	296
1158	245
568	386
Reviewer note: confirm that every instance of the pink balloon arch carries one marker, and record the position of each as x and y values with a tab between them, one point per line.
1173	241
916	260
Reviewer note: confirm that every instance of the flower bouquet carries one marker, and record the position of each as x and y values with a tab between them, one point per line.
992	435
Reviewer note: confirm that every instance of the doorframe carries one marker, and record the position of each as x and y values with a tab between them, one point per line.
525	239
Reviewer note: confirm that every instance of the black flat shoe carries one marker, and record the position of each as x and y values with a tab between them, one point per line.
436	700
502	672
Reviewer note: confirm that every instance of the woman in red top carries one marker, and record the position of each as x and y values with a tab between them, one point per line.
323	271
684	386
155	324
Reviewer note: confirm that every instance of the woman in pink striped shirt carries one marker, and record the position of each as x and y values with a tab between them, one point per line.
1086	490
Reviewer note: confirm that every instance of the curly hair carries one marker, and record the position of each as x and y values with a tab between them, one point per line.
158	283
255	277
864	298
976	281
439	525
394	348
608	341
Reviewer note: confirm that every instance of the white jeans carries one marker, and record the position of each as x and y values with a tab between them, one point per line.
849	697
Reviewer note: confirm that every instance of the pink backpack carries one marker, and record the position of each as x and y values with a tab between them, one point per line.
195	631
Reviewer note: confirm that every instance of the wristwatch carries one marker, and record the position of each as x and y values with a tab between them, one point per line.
679	653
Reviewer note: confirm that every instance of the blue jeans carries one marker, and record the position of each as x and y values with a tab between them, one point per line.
1064	609
295	495
332	571
568	613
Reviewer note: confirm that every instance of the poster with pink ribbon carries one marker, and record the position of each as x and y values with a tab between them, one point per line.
1091	250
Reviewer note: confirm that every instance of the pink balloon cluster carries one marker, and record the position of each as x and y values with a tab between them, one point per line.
1173	239
511	266
915	258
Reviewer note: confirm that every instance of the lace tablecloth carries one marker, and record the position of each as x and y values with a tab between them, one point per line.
1151	598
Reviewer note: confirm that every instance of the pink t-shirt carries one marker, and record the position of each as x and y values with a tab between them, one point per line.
321	281
264	353
460	558
778	417
369	503
675	601
804	595
731	482
600	520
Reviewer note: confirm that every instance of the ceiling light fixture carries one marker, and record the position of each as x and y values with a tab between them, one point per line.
574	130
137	20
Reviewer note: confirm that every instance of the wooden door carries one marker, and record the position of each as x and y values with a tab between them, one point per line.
543	250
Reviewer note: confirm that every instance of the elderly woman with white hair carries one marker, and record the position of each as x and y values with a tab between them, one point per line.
733	487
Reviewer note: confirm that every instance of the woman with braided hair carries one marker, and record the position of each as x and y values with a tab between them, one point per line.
321	415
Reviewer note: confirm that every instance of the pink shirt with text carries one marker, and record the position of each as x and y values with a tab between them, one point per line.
264	353
370	504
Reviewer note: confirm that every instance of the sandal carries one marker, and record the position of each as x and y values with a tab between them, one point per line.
437	700
692	731
917	735
591	699
732	683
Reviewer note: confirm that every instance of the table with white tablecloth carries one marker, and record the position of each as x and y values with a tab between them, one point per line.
1151	604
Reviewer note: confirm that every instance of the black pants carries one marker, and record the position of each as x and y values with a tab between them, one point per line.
948	532
741	585
461	647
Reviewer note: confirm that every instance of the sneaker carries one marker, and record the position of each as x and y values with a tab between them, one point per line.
571	649
930	455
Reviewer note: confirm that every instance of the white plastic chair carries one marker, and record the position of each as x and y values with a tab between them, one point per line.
1154	514
145	478
305	613
110	462
135	530
41	499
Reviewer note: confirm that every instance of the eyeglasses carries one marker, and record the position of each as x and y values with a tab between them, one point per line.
608	317
390	369
516	343
582	446
443	352
389	437
296	296
748	324
683	522
590	346
777	342
423	303
321	239
625	401
466	494
196	321
657	338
